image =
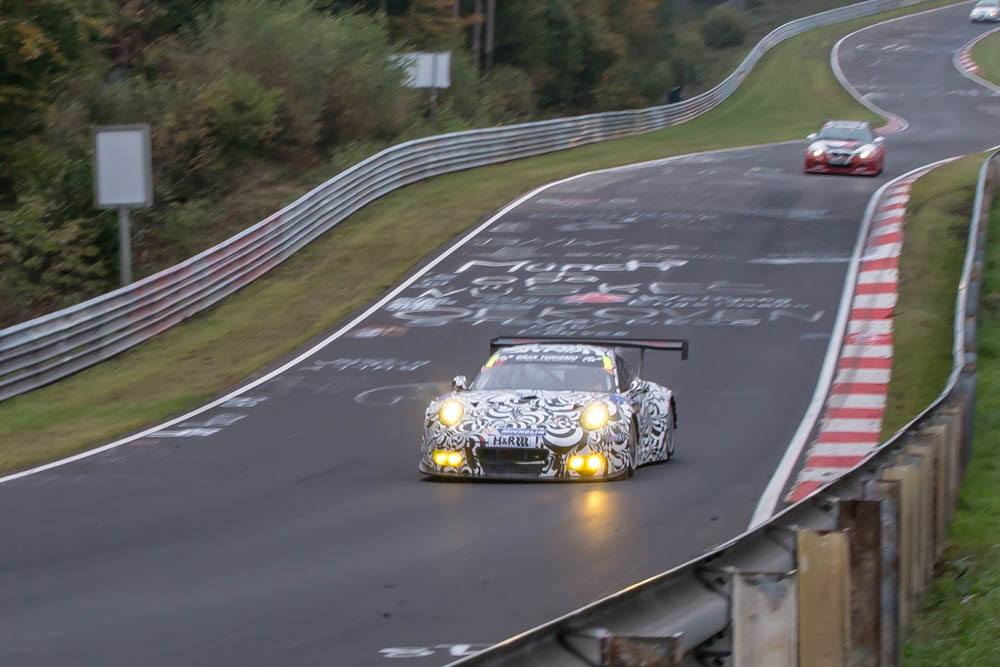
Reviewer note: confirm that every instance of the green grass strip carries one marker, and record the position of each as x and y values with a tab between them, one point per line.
934	242
986	54
960	622
787	96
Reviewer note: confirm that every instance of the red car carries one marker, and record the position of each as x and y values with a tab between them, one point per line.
845	147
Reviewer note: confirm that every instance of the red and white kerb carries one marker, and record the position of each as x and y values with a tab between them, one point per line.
965	58
855	406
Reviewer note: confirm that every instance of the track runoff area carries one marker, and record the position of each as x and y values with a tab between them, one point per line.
285	523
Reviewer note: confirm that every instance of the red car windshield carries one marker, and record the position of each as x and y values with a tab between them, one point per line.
837	133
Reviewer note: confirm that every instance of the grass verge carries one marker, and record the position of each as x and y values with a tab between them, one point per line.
986	53
930	268
960	622
788	95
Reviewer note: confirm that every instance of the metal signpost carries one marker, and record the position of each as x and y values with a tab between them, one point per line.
427	70
123	179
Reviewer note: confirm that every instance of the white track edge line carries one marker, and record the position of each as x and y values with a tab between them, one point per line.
370	310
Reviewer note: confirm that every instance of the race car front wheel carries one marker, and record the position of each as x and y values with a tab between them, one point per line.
633	450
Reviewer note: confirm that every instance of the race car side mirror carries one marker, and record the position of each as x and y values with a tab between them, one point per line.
636	387
459	383
811	137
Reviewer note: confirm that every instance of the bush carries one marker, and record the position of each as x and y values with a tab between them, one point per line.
52	258
688	61
240	113
724	27
510	95
616	90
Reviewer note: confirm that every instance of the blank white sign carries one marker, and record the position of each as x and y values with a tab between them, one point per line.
122	166
426	70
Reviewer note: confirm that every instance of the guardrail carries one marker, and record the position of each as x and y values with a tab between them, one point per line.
833	580
45	349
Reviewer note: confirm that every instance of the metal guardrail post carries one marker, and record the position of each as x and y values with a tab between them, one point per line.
765	624
824	598
928	496
861	520
619	651
950	419
888	495
906	477
934	438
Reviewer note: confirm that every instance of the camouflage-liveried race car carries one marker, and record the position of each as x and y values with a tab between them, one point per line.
552	409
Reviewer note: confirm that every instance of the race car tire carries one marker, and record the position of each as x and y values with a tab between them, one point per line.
671	430
633	450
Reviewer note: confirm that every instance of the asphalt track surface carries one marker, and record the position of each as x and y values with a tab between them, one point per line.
289	526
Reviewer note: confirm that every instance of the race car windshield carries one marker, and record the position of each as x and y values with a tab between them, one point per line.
838	133
544	377
989	4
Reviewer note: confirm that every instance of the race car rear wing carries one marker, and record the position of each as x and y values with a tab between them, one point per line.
662	345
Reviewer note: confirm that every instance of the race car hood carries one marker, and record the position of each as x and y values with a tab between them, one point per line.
528	408
826	144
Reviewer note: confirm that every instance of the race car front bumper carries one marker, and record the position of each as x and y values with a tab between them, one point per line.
598	455
856	166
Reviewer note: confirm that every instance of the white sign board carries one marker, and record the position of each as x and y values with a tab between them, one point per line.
123	167
426	70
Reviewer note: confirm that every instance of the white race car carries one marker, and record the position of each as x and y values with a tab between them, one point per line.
985	11
552	409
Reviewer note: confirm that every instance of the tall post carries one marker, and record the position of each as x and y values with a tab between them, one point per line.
124	246
434	87
477	34
491	19
123	180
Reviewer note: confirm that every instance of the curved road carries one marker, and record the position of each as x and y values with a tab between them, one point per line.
288	525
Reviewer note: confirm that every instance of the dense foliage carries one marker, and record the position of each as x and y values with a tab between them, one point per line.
249	99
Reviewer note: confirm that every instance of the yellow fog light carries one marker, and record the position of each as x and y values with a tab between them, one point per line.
451	412
442	458
595	462
595	416
577	462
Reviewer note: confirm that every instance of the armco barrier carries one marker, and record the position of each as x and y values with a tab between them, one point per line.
51	347
834	580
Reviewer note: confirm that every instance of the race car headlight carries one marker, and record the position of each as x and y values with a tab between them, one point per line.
577	462
817	152
443	457
595	416
866	152
451	412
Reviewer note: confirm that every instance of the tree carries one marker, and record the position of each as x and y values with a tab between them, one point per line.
40	41
430	24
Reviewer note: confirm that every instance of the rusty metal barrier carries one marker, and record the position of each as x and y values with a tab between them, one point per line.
48	348
834	580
